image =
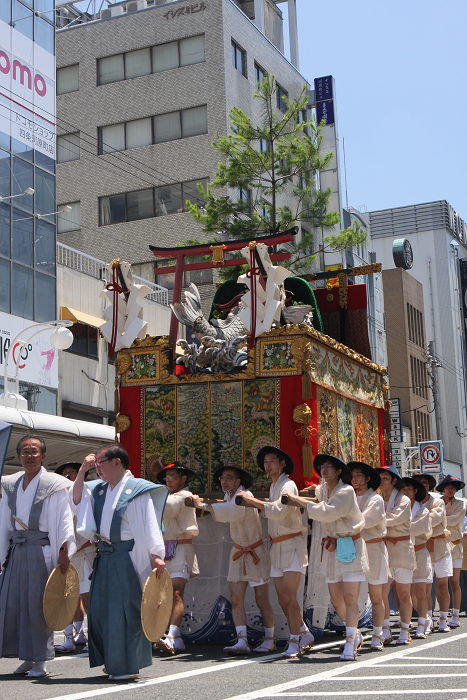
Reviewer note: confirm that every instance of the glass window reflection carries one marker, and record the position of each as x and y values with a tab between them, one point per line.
22	292
22	238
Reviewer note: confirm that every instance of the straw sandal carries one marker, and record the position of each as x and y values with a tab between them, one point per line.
258	648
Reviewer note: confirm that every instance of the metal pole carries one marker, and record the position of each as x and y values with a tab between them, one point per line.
434	381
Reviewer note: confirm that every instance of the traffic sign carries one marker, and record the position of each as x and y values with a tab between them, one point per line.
431	457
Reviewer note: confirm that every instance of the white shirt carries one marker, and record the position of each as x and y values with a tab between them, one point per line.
56	519
139	523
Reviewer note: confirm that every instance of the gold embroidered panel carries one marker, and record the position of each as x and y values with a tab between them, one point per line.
326	406
346	377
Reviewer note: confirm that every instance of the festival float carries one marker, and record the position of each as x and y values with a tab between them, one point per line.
276	363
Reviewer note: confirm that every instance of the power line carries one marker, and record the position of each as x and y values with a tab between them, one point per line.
95	141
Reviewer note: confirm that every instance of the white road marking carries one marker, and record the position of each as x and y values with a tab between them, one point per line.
458	663
399	676
317	677
369	692
273	690
435	658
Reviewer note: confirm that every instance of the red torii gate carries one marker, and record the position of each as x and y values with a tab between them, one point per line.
217	250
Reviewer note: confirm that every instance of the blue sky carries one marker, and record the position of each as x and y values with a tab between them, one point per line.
401	91
401	81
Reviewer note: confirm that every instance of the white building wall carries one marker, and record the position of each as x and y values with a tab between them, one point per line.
76	373
434	266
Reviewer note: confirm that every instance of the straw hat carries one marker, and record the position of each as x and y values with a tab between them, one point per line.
162	473
267	449
61	596
375	479
448	479
156	605
246	479
394	473
429	477
420	493
346	474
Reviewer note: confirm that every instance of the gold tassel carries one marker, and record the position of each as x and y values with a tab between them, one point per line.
307	456
307	366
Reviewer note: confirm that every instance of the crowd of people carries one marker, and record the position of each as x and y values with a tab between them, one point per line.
376	527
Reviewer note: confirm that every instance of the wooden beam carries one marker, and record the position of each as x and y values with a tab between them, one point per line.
205	248
170	269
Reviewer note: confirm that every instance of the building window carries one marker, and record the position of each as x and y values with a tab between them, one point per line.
280	102
70	220
85	340
151	130
155	59
68	147
244	195
239	58
145	204
68	79
260	74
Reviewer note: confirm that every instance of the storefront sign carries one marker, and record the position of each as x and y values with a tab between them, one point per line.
27	91
38	363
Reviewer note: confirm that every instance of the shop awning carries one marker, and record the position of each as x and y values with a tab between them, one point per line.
69	314
67	440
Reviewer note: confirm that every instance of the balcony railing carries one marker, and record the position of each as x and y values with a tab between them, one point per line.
69	257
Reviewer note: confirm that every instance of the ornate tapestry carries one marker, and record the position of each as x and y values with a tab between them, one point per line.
327	420
348	378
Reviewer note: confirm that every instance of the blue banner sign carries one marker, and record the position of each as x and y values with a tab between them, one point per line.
323	88
325	110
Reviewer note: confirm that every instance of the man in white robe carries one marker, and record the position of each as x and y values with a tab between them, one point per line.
126	513
249	563
36	535
289	557
181	527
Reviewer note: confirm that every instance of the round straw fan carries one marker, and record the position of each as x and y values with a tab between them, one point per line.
156	605
61	598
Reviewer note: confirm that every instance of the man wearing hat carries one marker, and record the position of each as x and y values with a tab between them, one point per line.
400	550
288	551
83	562
343	549
440	554
180	559
365	481
125	514
420	529
455	511
36	535
249	563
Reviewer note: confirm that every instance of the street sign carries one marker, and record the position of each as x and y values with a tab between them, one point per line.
396	420
431	457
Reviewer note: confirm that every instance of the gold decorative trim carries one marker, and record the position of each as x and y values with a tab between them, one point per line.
305	329
122	423
261	370
278	412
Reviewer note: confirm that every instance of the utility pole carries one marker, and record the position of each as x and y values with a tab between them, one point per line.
433	365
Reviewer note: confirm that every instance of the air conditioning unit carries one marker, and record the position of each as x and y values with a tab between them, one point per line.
112	11
136	5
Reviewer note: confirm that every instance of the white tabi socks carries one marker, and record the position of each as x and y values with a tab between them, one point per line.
293	648
386	632
443	622
178	643
420	633
25	667
68	644
306	639
454	621
241	645
80	637
38	670
268	643
404	637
